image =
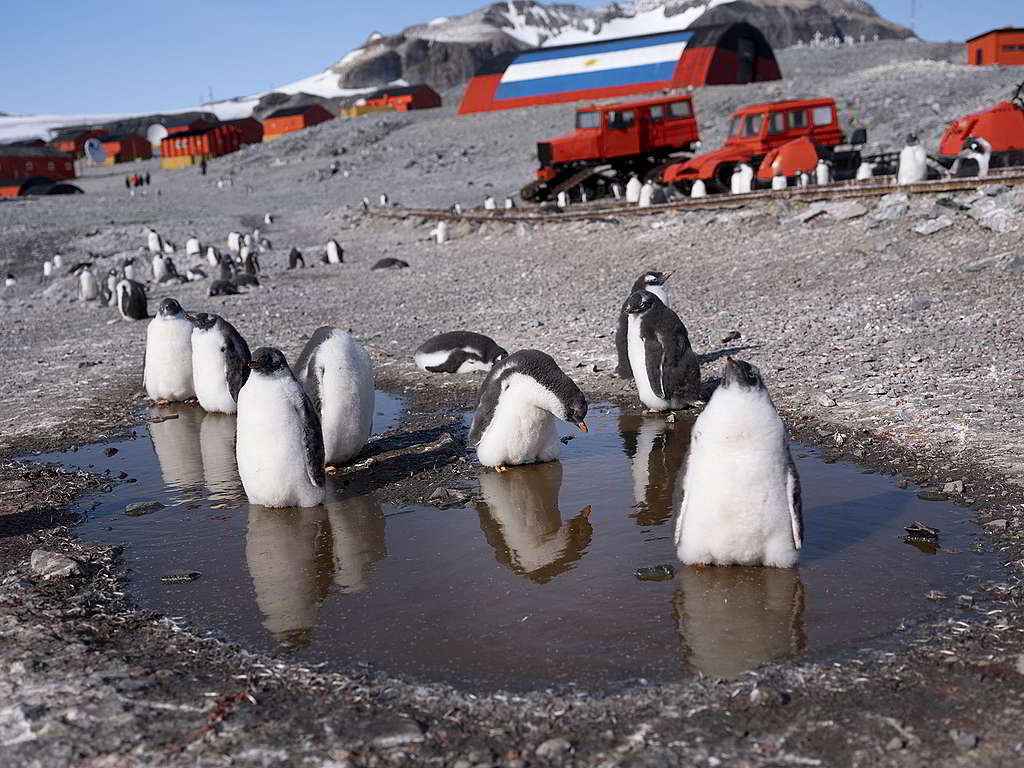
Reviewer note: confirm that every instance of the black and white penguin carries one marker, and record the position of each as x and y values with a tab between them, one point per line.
457	352
699	189
440	232
131	300
519	400
973	159
220	362
88	287
913	166
194	274
169	248
489	204
865	171
279	447
741	502
47	269
234	241
9	280
823	172
390	263
223	288
110	289
250	261
365	204
192	246
245	280
153	242
295	259
654	282
160	271
58	261
168	369
334	253
383	201
633	188
268	218
665	368
337	374
510	204
128	268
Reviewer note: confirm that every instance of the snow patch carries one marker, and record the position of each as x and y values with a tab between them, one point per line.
438	20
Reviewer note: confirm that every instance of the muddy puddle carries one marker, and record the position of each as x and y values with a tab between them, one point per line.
546	575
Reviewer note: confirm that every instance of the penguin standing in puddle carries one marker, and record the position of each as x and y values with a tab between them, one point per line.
741	503
168	370
665	367
649	281
519	400
220	362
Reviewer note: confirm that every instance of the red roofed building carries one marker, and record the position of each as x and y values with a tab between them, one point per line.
290	119
999	46
189	148
22	165
73	141
250	128
124	149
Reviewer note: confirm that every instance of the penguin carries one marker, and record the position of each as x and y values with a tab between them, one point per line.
255	236
88	287
246	280
616	190
128	268
913	166
699	189
250	261
457	209
295	259
109	290
383	201
649	281
160	271
563	200
192	247
246	242
168	247
337	374
803	180
633	187
212	256
47	269
335	254
390	263
458	352
646	193
279	447
357	540
779	181
973	159
441	232
264	245
223	288
823	172
746	180
234	242
58	261
78	267
510	204
168	368
489	204
153	242
665	368
131	300
220	362
734	180
365	204
268	218
9	280
514	419
741	502
226	269
194	274
865	171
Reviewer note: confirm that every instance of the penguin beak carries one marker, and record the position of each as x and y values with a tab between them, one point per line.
256	366
668	274
583	426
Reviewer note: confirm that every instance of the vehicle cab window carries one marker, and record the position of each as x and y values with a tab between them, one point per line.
822	116
620	121
752	125
776	123
678	109
657	113
587	120
797	118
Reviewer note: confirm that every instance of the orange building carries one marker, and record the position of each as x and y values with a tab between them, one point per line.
22	166
290	119
124	149
1003	46
250	128
191	147
73	141
402	99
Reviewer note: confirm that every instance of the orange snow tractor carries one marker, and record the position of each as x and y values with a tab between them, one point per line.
795	133
1002	126
612	142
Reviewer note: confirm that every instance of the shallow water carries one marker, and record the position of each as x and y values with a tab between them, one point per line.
534	582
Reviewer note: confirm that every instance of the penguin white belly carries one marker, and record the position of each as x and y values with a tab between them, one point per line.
347	400
640	467
518	434
425	360
168	374
270	450
217	446
638	361
210	374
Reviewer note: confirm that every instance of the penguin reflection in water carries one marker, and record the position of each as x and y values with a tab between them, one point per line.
519	400
741	502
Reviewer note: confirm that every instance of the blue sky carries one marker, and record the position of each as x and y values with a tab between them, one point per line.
141	56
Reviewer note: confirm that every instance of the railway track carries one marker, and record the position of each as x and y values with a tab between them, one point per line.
844	190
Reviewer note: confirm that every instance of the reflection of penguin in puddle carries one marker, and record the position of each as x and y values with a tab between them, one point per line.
217	443
522	522
357	537
656	449
286	556
731	619
176	442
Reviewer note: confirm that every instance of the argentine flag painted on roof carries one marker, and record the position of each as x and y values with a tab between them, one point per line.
545	71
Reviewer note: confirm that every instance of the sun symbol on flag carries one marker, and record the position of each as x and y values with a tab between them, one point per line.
590	62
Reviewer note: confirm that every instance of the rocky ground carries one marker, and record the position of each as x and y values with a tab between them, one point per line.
886	330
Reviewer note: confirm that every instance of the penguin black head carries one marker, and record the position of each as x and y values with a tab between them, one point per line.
656	278
204	321
911	139
741	374
268	361
169	308
640	302
576	411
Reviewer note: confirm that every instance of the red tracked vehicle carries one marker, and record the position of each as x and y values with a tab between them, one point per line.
1002	126
612	142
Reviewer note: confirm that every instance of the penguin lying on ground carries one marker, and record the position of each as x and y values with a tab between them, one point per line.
665	368
279	447
650	281
168	369
223	288
457	352
131	300
741	502
337	374
220	362
390	263
246	280
519	400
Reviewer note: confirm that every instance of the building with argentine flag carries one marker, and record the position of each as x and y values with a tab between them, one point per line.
710	55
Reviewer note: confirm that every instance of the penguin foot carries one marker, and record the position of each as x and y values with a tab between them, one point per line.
652	410
501	468
331	469
161	402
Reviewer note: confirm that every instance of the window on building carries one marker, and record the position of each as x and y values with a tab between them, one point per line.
798	118
1013	47
822	115
657	113
678	109
587	120
776	123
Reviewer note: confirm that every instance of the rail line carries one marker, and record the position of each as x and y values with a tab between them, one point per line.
844	190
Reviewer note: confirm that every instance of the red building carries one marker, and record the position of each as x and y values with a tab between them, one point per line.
290	119
402	99
1000	46
184	125
124	149
250	128
21	166
189	148
73	141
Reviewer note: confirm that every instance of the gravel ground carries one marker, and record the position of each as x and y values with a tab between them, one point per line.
897	349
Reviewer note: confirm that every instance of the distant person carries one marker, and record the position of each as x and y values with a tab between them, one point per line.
202	166
127	182
147	178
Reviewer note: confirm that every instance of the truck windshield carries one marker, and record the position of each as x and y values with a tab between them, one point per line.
588	120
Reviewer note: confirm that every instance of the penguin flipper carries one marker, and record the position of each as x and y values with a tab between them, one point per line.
796	507
313	441
237	357
679	364
623	370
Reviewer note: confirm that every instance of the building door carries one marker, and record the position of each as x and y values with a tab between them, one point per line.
745	67
977	57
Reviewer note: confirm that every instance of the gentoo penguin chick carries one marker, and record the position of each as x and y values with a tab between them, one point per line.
153	242
250	261
519	400
803	180
457	352
489	204
616	190
295	259
633	187
665	368
365	204
746	178
822	172
913	165
9	280
699	189
131	300
510	204
389	263
168	371
563	199
778	180
279	448
865	171
646	193
268	219
337	375
441	232
223	288
168	247
160	271
88	287
741	502
58	261
110	290
335	254
220	362
192	247
974	158
234	241
47	269
383	201
649	281
212	256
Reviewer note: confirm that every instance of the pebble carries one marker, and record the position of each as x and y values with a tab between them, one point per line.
53	565
964	740
824	400
553	748
956	486
932	226
996	525
397	731
934	594
140	508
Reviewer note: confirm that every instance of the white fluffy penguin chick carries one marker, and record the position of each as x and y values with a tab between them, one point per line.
741	503
220	362
168	371
279	448
665	368
913	166
337	374
519	400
